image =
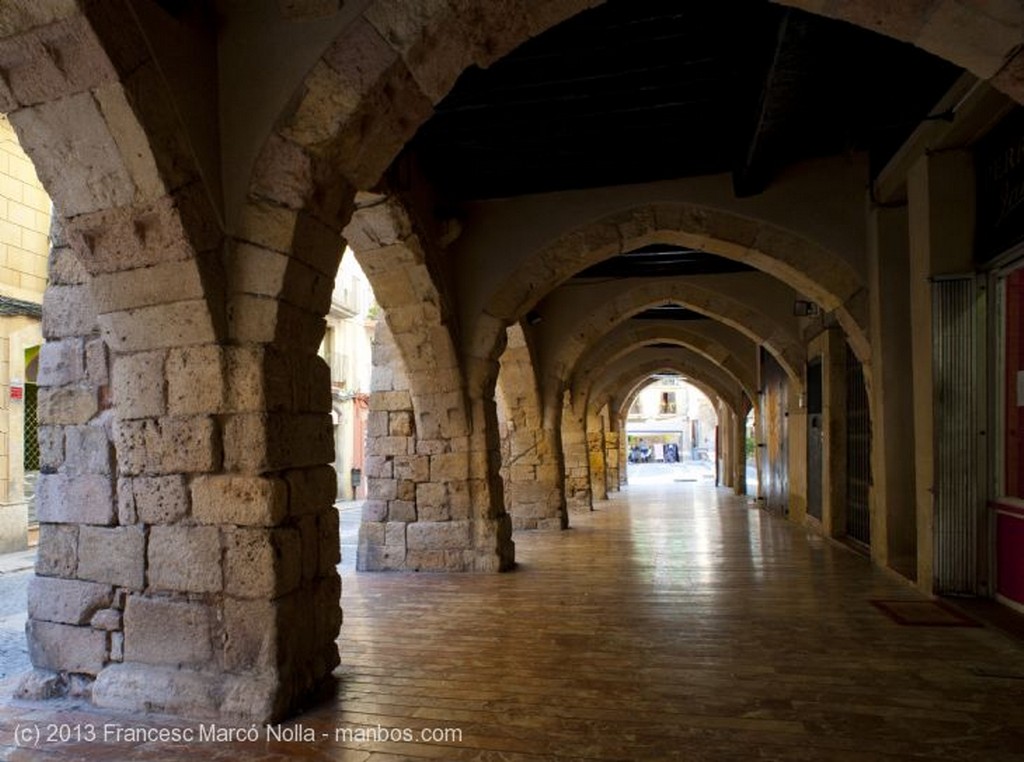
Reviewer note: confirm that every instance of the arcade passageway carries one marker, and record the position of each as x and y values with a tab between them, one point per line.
810	210
677	622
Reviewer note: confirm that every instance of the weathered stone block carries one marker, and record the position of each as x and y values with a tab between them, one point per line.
308	527
392	445
65	268
250	634
195	380
139	385
394	534
97	362
261	563
106	619
57	554
450	466
382	489
311	490
161	326
128	687
377	423
68	311
391	401
69	601
41	685
115	556
66	648
372	533
442	535
161	283
414	468
261	442
61	362
88	451
400	424
401	510
379	466
67	405
51	448
117	646
374	510
81	499
241	500
160	499
161	631
329	553
182	445
185	559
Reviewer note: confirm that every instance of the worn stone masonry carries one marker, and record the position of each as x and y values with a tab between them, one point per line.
611	459
531	451
576	458
419	513
182	538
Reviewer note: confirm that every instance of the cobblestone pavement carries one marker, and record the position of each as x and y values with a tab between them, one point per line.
13	652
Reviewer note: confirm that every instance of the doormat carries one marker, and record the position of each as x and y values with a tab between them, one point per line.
924	614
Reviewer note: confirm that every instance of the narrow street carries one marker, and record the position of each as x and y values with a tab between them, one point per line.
13	652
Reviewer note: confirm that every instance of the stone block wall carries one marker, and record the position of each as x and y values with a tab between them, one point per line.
188	538
611	460
576	459
419	514
531	453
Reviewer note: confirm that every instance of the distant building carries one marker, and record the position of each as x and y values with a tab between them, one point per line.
24	249
346	348
670	420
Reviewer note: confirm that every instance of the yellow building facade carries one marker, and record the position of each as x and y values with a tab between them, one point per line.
24	246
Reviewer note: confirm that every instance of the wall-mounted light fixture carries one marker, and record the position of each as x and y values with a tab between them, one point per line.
805	308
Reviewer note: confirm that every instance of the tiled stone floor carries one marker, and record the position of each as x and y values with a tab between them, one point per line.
673	623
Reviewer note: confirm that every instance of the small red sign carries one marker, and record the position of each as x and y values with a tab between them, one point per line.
17	392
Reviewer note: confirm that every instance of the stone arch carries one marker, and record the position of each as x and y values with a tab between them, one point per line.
634	388
808	267
531	450
90	108
625	338
620	304
642	363
366	96
142	406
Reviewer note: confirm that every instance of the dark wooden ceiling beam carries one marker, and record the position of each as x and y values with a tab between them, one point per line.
757	161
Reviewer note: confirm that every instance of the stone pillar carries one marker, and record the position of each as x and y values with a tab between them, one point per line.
893	512
797	452
575	458
429	496
727	432
940	196
831	346
611	458
188	538
595	456
739	436
620	423
532	474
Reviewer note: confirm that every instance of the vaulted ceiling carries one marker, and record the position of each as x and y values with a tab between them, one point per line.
643	90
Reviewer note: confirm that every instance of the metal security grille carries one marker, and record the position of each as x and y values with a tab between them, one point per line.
31	428
954	375
858	452
31	445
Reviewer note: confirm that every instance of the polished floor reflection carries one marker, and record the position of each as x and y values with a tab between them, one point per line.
676	622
